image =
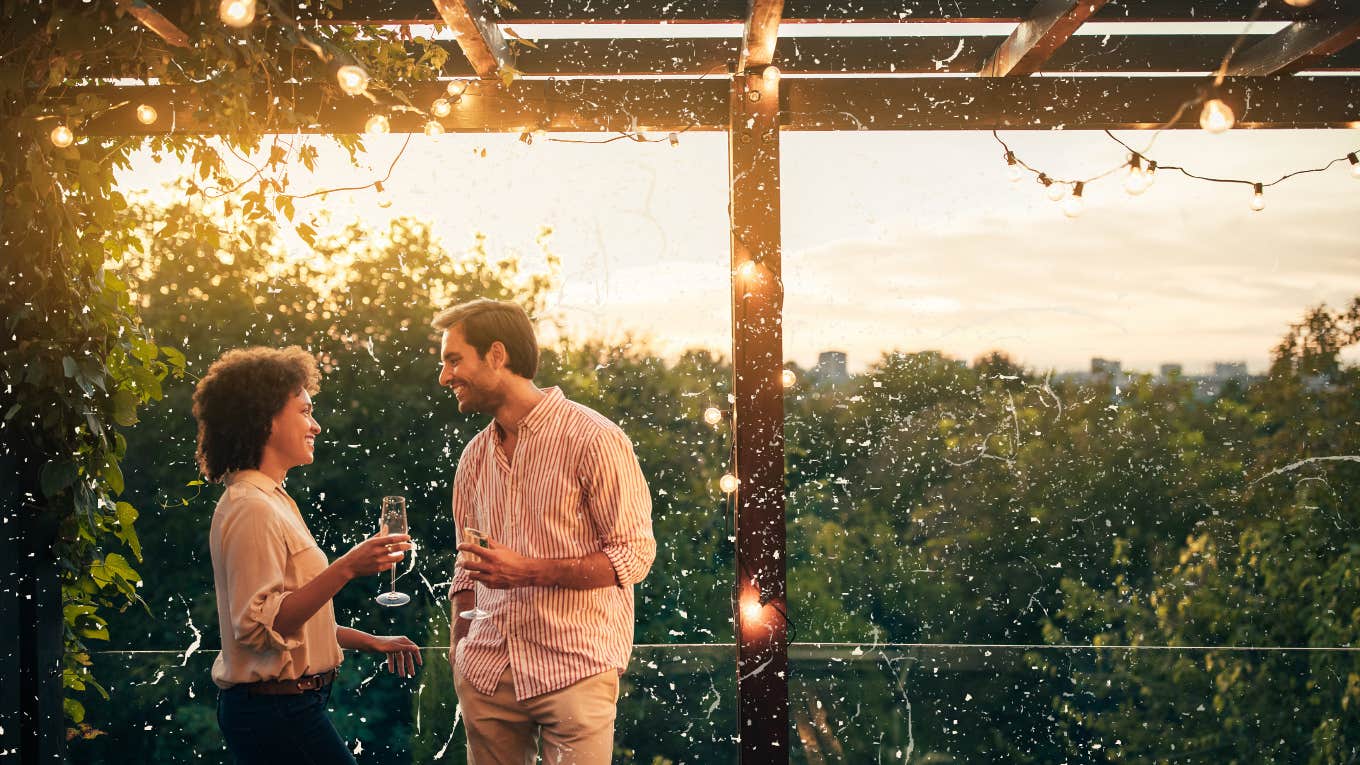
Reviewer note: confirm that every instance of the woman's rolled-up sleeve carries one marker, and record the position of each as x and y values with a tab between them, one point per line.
255	552
620	506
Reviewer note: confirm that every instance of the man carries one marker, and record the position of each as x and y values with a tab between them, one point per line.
558	490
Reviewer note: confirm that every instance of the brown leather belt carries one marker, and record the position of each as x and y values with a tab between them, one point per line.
290	687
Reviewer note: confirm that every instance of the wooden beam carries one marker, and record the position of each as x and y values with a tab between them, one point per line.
760	34
1034	40
152	19
1298	46
478	36
758	421
795	11
850	103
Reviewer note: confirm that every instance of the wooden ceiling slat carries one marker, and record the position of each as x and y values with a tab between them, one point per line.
760	34
154	20
1038	37
1298	46
949	103
478	36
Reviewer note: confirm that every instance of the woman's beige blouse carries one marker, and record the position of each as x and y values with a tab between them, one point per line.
262	551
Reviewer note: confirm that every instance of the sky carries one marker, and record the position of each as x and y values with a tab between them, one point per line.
894	240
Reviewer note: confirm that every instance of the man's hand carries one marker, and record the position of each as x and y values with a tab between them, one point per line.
501	568
402	654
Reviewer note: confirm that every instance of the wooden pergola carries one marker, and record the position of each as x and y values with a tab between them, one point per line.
1043	76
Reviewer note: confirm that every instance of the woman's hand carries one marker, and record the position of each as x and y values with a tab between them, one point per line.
402	654
376	554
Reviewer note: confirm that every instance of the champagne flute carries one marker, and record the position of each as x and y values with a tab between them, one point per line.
393	522
477	538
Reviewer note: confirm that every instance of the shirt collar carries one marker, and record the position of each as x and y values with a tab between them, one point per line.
543	410
254	478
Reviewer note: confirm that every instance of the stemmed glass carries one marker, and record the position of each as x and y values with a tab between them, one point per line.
477	538
393	522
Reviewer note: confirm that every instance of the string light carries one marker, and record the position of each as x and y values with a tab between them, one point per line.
377	125
747	269
1258	197
728	483
1216	117
713	415
441	107
770	76
353	79
526	138
1299	3
1073	205
674	138
433	128
789	378
62	136
1150	175
751	609
146	114
1052	189
1355	164
236	13
1013	169
1136	182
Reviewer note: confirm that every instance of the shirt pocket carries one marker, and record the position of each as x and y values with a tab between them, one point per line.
305	558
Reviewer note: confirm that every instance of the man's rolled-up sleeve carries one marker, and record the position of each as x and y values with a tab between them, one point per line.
619	505
255	553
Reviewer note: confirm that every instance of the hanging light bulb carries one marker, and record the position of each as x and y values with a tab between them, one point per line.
1136	181
353	79
750	609
1150	174
1258	197
1052	189
770	76
1299	3
441	107
236	13
433	128
1355	164
674	138
747	269
789	378
1073	205
146	114
377	125
62	136
728	483
526	138
1216	116
713	415
1013	169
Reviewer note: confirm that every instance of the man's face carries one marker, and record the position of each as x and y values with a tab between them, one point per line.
292	435
474	381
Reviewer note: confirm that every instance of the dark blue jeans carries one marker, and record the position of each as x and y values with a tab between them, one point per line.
288	730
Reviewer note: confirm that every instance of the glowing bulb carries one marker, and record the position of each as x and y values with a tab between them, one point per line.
353	79
526	138
1073	205
441	107
750	608
433	128
1355	164
1258	197
236	13
377	125
746	270
728	483
1150	175
789	378
674	138
1299	3
713	415
1013	173
146	114
1216	117
1055	190
770	76
62	136
1136	182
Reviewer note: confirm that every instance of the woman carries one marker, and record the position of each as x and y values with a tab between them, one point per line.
280	643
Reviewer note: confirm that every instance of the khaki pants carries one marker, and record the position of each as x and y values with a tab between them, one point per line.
576	722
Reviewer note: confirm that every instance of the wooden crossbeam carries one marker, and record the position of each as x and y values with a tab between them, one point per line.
795	11
761	33
478	36
851	103
1034	40
1298	46
154	20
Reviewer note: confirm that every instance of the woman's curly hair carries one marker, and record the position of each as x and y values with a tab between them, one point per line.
236	401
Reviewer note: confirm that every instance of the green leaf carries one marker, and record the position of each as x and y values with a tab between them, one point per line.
112	475
68	365
56	477
175	358
73	709
124	407
127	517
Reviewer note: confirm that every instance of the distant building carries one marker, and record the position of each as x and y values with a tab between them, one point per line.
1172	370
1230	370
832	367
1109	367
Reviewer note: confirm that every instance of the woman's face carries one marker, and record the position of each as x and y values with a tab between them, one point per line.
292	437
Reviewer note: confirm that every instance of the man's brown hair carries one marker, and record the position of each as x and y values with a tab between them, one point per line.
485	321
236	401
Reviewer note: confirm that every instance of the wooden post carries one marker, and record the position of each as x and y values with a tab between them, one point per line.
758	420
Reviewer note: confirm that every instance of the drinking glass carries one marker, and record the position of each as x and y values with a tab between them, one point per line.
477	538
393	522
